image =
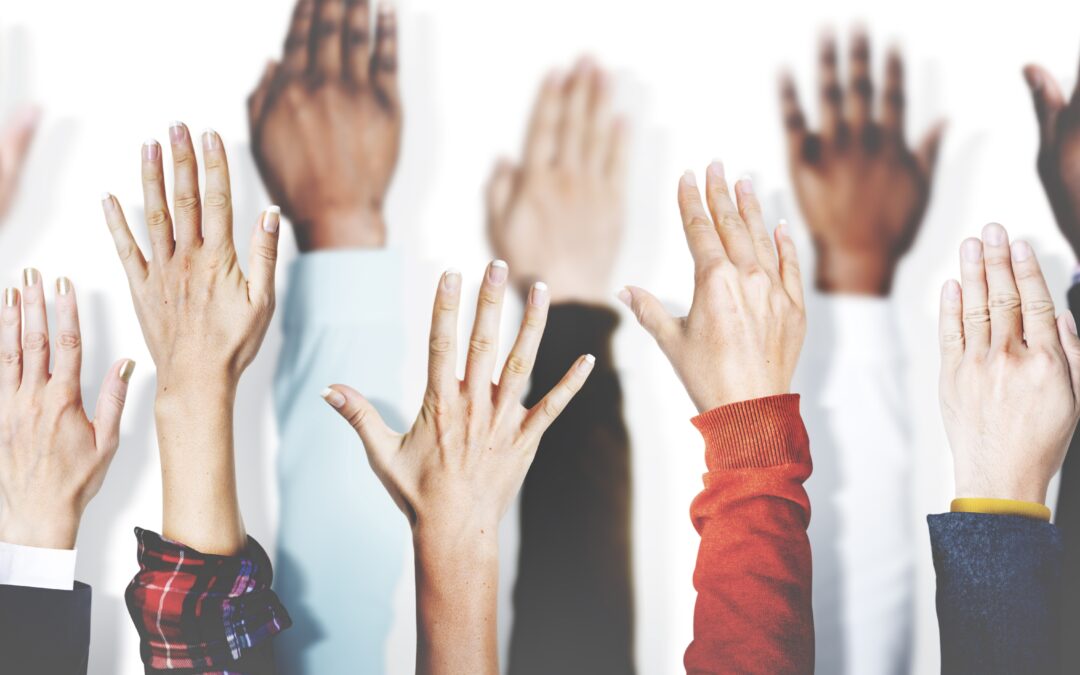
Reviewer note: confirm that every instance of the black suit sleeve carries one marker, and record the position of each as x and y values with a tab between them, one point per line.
1068	522
44	631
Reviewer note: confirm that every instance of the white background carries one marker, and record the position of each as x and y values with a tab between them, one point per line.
697	79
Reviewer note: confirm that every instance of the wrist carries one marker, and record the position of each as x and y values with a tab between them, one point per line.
57	530
854	272
1019	491
354	229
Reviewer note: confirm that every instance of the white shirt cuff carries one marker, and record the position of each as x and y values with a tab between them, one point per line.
37	567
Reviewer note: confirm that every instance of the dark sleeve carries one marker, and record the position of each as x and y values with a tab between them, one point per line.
44	630
573	603
998	593
199	613
1068	521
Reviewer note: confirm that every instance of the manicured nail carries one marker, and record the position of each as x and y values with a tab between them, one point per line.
271	219
333	397
1021	251
451	280
126	370
1070	321
539	294
747	184
210	139
177	132
587	363
716	169
498	270
151	150
994	234
11	297
625	296
690	178
63	286
971	250
782	228
30	276
951	291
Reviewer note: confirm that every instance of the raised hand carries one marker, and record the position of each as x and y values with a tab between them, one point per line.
457	470
559	214
15	140
1010	372
203	321
862	191
326	123
53	458
742	337
1059	149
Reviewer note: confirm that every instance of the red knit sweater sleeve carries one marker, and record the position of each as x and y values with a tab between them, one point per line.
753	575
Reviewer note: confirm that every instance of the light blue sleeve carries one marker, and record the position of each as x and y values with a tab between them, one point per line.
341	539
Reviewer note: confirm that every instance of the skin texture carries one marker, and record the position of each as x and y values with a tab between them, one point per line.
1059	149
326	123
747	321
1010	372
203	321
862	191
559	214
53	458
15	140
457	470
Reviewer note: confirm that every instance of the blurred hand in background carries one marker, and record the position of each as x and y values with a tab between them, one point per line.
326	123
862	191
558	215
15	140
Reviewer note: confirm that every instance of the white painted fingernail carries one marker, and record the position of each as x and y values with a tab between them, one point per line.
333	397
271	219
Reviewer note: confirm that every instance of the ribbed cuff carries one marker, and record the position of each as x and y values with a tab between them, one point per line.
1001	507
759	433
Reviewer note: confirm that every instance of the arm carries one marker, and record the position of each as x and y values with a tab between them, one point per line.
735	353
203	321
456	471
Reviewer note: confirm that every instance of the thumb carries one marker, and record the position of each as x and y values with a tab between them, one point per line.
110	405
263	260
649	311
927	152
361	416
1047	97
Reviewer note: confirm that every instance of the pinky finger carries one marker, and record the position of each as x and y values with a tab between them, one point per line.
263	262
790	273
110	405
130	256
541	416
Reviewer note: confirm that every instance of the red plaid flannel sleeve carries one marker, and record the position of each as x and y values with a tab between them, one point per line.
199	613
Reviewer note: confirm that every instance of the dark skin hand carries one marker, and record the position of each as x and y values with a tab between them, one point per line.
861	189
1059	149
326	123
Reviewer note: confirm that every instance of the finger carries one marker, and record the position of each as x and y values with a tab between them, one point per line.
832	118
158	219
540	142
649	312
790	273
358	40
976	312
187	207
263	258
16	138
67	365
1066	325
442	343
110	406
794	119
734	234
1003	298
294	59
618	151
1036	303
860	85
750	212
519	364
551	406
378	438
35	342
257	100
892	97
325	61
500	188
951	325
574	124
10	342
927	153
600	126
384	65
484	342
217	223
131	256
701	236
1048	100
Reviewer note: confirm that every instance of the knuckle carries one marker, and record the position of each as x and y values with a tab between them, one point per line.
997	261
218	200
952	338
126	251
731	221
266	252
440	345
698	223
358	417
11	357
518	365
489	299
68	340
35	342
481	345
551	408
1003	302
157	218
1037	308
187	203
976	316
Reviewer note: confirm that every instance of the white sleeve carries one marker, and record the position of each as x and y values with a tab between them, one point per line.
37	567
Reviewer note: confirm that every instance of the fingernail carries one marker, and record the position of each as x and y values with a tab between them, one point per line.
1021	251
952	290
451	280
1070	320
624	296
747	184
210	139
177	131
498	271
994	234
690	178
1033	79
106	200
63	286
271	219
587	363
539	294
716	169
333	397
971	250
782	228
126	370
151	150
11	297
30	276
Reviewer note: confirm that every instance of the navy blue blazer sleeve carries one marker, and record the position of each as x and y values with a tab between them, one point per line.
1067	518
44	631
998	593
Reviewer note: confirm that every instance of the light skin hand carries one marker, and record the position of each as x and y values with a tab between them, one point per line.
203	321
457	470
1059	149
1010	372
559	214
862	191
742	337
15	140
326	123
53	458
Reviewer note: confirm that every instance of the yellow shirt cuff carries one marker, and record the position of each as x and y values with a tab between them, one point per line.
1001	507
